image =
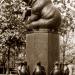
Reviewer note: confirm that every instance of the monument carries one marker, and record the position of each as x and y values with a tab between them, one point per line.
42	37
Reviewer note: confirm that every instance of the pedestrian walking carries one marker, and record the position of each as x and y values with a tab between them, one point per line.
39	69
71	67
61	68
56	69
66	69
25	69
19	69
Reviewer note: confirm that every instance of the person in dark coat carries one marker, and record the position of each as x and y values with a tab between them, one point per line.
39	69
61	68
25	69
19	69
56	70
66	69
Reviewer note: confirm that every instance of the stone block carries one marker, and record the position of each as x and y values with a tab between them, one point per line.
42	46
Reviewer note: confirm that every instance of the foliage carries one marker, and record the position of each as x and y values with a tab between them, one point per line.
12	29
66	29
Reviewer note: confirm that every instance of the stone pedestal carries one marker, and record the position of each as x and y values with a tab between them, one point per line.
42	46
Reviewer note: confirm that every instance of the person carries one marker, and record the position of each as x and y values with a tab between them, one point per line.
25	69
71	67
56	69
66	69
43	15
19	68
39	69
61	68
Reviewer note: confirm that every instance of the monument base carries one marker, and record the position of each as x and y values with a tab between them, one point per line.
42	46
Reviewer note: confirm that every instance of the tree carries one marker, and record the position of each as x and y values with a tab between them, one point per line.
12	29
66	28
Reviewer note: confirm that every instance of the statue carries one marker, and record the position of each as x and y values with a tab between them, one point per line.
42	44
43	15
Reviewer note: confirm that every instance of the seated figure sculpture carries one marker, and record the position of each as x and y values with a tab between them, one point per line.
43	15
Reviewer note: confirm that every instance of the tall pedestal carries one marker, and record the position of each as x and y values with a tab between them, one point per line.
42	46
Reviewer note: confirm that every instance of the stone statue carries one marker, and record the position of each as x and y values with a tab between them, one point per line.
43	15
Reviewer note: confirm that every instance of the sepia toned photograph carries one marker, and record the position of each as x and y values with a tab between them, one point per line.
37	37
